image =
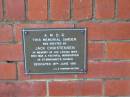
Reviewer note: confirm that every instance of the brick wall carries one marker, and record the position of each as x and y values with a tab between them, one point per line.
108	23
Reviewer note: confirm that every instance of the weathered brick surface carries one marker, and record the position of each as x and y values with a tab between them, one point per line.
6	33
107	31
62	12
75	88
118	50
37	9
11	52
15	9
82	9
108	48
123	9
22	89
118	87
7	71
95	51
105	9
107	70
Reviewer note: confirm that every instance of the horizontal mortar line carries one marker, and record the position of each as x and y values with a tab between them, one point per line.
38	22
69	79
20	62
113	19
81	79
65	22
3	62
17	81
8	42
49	80
102	20
120	78
68	21
118	40
94	41
106	20
83	96
109	60
78	96
108	41
46	29
11	61
7	62
65	79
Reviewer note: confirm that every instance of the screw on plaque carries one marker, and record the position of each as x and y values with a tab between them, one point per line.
25	33
82	31
81	69
29	70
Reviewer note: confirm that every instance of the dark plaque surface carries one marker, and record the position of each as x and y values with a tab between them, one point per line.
55	51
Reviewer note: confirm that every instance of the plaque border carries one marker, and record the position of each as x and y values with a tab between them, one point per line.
24	30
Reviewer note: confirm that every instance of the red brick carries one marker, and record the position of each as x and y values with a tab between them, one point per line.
37	9
7	71
105	9
6	33
14	10
75	88
19	28
107	31
11	52
118	87
60	9
95	51
118	50
22	89
39	88
21	72
82	9
107	70
1	10
123	9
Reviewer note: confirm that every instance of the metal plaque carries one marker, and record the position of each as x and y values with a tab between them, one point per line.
55	51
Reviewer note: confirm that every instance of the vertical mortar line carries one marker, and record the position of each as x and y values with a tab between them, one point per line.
14	33
93	9
48	9
71	9
116	9
4	9
17	77
47	88
105	49
26	8
103	87
74	25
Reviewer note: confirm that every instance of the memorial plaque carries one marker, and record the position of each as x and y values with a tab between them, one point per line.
55	51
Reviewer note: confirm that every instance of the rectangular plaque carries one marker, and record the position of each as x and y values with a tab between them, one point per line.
55	51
